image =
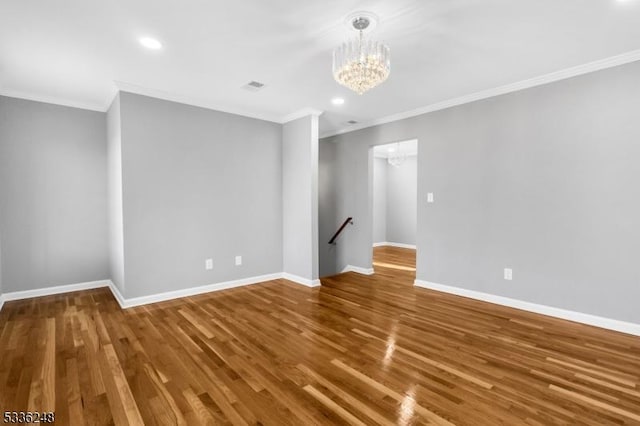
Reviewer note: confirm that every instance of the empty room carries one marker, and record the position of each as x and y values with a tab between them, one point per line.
321	212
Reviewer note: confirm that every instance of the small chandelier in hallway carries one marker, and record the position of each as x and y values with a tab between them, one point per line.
396	156
361	64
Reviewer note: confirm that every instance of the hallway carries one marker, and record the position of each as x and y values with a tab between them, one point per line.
394	258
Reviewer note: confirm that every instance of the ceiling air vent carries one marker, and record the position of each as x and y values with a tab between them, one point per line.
352	122
253	86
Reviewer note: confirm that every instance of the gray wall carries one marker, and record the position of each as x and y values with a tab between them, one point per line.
197	184
401	201
544	181
1	291
327	219
114	176
379	200
53	195
352	196
395	201
300	197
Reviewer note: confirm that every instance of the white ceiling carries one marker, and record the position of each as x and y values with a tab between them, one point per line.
72	51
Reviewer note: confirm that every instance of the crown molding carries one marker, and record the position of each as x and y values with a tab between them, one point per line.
120	86
304	112
385	155
610	62
587	68
55	100
191	100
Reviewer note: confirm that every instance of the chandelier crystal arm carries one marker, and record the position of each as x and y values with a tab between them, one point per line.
363	63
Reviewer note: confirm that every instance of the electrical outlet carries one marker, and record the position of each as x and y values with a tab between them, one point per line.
430	197
508	274
238	260
208	264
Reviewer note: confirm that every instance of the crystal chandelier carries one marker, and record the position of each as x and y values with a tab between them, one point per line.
396	156
361	64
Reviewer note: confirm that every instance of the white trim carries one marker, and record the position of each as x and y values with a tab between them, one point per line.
304	112
154	298
357	270
192	101
48	291
382	151
589	67
112	98
121	86
400	245
385	155
117	295
611	324
300	280
55	100
176	294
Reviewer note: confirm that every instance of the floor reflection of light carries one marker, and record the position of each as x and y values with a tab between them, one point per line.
407	407
388	355
391	347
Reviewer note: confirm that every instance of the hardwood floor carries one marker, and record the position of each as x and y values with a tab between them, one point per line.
387	259
358	350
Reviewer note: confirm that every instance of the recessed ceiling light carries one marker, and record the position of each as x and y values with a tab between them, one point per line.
150	43
392	149
337	101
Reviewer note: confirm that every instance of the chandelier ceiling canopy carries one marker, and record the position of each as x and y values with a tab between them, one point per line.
361	64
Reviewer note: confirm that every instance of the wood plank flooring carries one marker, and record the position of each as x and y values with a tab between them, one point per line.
389	258
359	350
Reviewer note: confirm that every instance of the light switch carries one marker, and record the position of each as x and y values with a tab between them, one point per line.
430	197
508	274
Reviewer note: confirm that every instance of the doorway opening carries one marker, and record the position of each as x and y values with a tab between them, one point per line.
394	204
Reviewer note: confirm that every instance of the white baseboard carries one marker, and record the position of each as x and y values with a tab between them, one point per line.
610	324
390	244
160	297
118	296
169	295
48	291
358	270
300	280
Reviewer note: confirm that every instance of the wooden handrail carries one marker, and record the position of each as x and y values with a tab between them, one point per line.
346	222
